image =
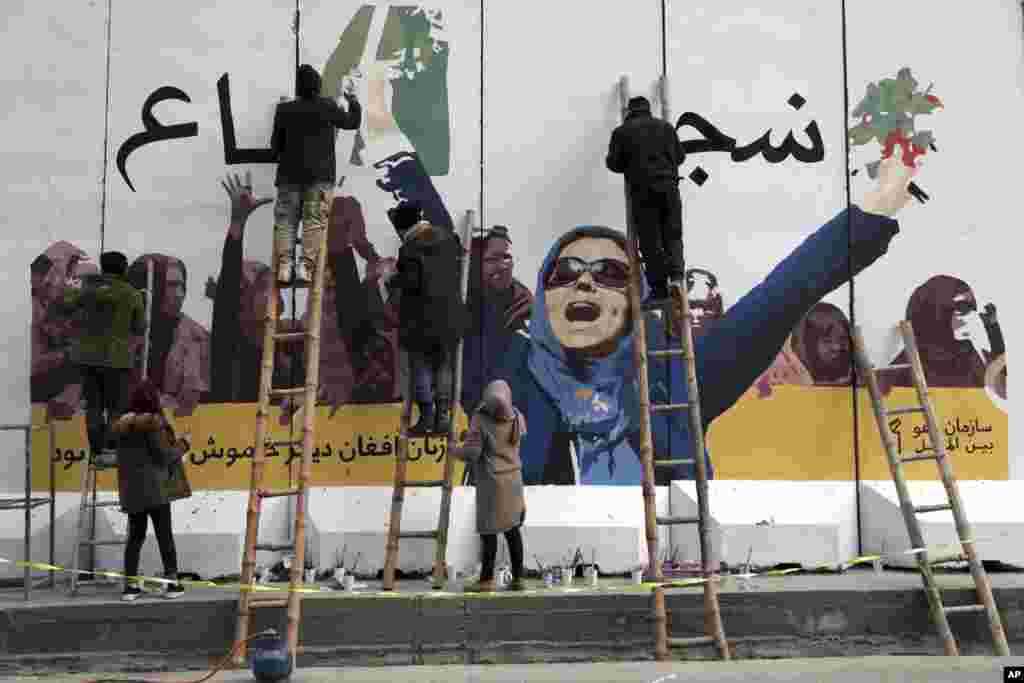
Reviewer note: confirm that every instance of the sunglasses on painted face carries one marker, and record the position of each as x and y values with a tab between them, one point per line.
606	272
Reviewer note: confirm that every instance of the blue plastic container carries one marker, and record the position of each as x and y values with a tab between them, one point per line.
270	659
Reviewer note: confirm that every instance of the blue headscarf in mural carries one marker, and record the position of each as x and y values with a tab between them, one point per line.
596	398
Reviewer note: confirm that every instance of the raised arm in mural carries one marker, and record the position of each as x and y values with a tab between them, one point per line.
240	297
568	377
179	347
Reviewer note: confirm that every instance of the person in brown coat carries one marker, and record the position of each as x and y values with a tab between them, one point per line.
491	449
146	450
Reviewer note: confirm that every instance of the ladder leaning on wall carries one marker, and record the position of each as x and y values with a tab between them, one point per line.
308	392
715	633
440	534
936	452
85	536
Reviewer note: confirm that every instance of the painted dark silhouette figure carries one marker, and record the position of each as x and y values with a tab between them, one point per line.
956	341
179	347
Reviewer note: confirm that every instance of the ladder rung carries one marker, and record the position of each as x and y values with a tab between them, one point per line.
418	534
274	602
678	520
655	304
278	494
114	542
669	407
274	547
286	336
104	504
294	391
690	642
963	608
922	456
297	284
898	366
933	508
904	411
431	483
671	463
670	353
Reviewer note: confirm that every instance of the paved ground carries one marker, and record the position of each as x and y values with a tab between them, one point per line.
844	670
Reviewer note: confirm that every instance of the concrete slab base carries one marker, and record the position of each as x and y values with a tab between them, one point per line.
993	509
770	522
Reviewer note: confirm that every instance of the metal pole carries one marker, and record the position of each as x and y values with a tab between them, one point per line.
53	497
28	512
149	317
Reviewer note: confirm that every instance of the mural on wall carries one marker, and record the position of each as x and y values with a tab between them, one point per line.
563	341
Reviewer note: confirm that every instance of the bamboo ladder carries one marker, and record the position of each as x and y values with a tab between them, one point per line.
91	468
257	494
954	503
440	534
712	613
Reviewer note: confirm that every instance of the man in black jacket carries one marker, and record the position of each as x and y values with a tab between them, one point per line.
303	142
432	315
647	150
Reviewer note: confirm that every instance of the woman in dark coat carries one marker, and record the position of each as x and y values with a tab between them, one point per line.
146	450
491	450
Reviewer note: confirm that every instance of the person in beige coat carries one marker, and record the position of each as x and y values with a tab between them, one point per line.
491	449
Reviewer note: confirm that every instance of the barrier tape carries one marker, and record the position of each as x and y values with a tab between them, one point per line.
644	586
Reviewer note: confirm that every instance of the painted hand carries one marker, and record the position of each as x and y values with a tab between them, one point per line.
243	202
891	195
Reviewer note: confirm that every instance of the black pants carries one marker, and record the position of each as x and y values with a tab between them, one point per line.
490	552
161	517
658	220
105	391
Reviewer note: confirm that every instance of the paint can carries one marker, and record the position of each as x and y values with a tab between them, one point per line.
310	576
638	577
877	566
549	579
567	573
339	576
349	582
592	576
453	586
270	659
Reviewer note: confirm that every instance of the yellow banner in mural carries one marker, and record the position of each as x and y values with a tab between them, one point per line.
354	447
797	433
803	433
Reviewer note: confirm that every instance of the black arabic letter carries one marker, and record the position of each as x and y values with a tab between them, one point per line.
154	129
714	139
233	155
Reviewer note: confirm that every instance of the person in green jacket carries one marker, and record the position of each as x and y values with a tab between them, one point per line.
110	311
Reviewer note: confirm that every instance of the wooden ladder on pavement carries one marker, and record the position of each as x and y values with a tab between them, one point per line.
715	632
440	534
937	452
248	600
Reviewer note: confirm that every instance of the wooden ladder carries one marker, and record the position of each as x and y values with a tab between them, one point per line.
248	600
937	452
712	613
440	534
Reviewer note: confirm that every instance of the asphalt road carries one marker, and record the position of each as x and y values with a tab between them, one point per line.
837	670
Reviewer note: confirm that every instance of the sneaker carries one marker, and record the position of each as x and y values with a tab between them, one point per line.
174	590
131	594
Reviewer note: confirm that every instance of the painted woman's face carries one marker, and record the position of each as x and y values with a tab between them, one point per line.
585	295
966	322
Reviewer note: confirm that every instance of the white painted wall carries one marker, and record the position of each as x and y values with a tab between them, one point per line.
549	103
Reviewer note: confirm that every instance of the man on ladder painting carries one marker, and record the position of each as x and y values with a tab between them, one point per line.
647	150
303	145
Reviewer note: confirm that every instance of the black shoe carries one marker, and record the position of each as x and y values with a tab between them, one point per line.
131	594
443	422
174	590
425	424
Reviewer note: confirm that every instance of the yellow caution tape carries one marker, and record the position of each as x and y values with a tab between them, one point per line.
644	586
